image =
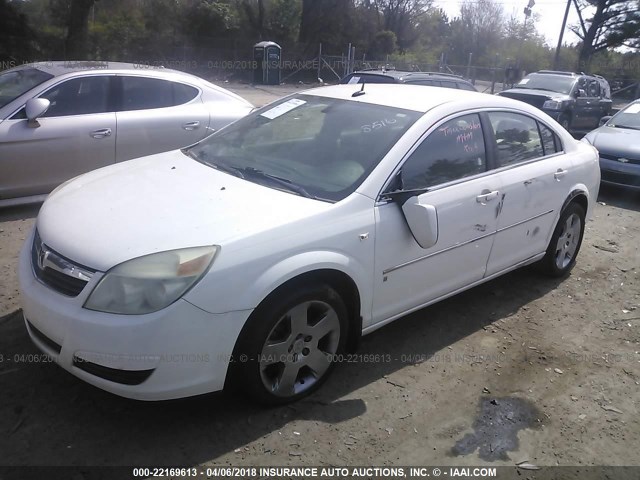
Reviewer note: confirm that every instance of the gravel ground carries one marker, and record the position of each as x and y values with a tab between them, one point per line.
521	368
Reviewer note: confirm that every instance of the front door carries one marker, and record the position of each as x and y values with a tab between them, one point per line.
76	134
450	166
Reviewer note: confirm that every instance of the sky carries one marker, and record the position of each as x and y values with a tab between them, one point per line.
551	13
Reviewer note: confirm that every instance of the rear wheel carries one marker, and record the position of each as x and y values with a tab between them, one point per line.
565	243
287	350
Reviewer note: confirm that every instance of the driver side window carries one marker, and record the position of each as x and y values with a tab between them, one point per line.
78	96
454	150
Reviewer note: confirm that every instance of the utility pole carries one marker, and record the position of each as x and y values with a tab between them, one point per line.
527	14
564	24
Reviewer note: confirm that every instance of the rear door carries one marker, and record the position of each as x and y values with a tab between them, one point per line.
76	134
535	176
157	115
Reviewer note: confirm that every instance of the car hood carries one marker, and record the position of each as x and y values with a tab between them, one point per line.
158	203
524	92
616	141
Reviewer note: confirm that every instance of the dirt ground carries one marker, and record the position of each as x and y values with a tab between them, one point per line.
520	369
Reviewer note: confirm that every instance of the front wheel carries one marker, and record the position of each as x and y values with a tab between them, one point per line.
565	121
565	243
288	348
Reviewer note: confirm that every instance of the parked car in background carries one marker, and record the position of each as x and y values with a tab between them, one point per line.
61	119
283	238
618	141
430	79
575	101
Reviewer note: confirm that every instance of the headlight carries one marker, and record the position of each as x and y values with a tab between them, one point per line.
150	283
552	105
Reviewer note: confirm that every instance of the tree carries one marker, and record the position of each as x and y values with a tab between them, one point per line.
326	21
614	23
478	30
402	17
77	42
15	44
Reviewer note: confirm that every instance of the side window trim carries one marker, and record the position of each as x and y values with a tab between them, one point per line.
491	146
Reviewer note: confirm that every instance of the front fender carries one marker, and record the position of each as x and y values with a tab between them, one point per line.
307	262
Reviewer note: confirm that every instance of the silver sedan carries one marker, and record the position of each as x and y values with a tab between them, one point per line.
61	119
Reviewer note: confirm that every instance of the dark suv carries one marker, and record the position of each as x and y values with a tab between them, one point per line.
431	79
576	101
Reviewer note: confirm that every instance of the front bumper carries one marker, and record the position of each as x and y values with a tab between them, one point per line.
179	351
620	174
555	114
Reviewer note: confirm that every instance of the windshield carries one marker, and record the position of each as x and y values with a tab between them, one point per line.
17	82
551	83
308	145
628	117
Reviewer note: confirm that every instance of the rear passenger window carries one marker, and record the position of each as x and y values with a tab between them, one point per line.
140	93
517	137
464	86
454	150
427	83
183	93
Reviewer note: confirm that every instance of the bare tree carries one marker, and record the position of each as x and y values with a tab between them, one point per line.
479	27
614	23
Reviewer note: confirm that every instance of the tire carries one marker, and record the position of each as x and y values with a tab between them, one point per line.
286	351
565	121
565	242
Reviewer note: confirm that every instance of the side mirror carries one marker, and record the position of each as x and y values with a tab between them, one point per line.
35	108
604	120
422	221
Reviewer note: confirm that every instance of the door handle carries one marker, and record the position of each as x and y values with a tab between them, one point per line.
559	174
191	126
487	196
102	133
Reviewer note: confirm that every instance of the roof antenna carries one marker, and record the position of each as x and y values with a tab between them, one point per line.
359	92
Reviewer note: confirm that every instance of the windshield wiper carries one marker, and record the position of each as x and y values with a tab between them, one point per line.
283	182
223	167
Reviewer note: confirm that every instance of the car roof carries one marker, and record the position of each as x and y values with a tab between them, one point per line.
419	98
403	75
58	68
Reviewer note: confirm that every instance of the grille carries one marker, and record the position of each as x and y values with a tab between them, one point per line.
57	272
124	377
621	178
44	339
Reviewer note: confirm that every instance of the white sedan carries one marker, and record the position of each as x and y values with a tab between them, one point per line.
259	256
